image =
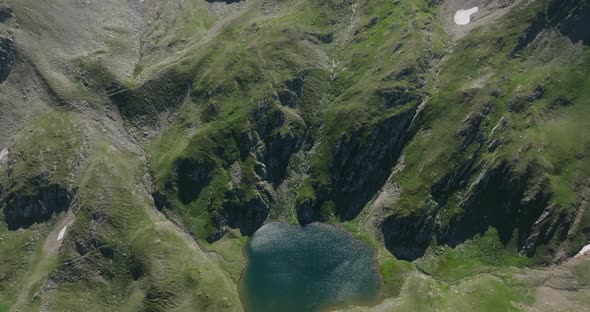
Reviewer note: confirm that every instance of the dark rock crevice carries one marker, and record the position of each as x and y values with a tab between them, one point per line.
537	26
7	57
291	94
398	96
268	140
7	50
357	170
142	105
454	180
408	236
500	198
273	139
307	211
191	177
21	210
570	17
248	215
5	13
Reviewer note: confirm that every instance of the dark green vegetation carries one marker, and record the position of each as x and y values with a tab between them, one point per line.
162	133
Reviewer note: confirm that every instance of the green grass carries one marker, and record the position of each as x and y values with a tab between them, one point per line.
20	250
48	147
133	251
581	273
227	83
47	150
540	134
331	104
480	255
394	274
484	293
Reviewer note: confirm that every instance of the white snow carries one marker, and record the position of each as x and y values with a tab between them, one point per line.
3	154
62	233
463	17
584	250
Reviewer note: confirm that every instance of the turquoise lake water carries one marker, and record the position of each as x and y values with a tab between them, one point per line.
310	268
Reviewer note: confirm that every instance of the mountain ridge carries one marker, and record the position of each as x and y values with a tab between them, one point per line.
461	150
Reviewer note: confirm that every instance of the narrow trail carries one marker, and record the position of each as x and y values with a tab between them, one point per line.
162	223
44	262
212	33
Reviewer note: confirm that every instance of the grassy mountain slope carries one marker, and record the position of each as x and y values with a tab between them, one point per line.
162	134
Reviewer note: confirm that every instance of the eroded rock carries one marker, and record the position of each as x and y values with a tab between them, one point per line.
23	209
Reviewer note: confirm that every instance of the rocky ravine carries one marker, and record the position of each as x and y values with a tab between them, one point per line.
223	116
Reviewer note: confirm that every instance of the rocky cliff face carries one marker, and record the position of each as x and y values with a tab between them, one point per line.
190	177
6	57
359	159
408	236
515	204
480	193
501	199
571	17
461	146
356	171
252	164
22	211
6	43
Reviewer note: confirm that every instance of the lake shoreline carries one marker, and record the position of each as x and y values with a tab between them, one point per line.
379	297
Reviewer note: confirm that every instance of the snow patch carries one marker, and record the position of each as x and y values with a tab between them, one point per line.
3	154
463	17
62	233
584	250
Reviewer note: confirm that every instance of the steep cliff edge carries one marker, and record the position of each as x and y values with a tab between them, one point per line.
6	41
498	172
21	211
156	136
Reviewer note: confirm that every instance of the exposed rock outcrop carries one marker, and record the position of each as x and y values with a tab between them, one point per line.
242	209
276	136
570	17
6	57
398	96
357	170
360	158
504	200
268	139
408	236
22	210
512	203
249	215
141	105
306	211
5	13
292	93
190	177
